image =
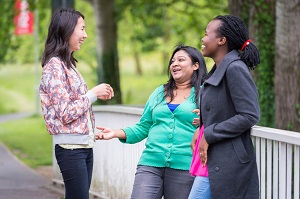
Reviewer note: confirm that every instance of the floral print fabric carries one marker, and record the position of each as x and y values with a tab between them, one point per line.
64	104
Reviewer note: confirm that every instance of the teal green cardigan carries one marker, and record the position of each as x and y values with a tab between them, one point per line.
168	134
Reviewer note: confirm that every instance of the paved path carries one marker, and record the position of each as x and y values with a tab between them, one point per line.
13	116
18	181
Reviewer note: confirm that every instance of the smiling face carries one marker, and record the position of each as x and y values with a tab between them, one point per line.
181	67
78	36
211	40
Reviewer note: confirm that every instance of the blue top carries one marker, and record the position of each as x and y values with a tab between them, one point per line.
169	134
172	107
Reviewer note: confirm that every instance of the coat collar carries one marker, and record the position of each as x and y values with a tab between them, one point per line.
220	71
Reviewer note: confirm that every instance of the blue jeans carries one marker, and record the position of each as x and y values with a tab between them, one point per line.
200	189
76	167
155	182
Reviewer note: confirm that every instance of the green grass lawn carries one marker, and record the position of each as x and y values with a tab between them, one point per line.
17	88
28	139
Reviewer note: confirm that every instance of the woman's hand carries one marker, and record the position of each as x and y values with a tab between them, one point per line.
196	121
103	91
203	146
105	133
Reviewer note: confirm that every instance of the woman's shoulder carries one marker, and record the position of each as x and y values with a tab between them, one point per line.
237	66
159	88
54	62
157	93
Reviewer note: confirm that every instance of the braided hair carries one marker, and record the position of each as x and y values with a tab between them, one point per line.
236	33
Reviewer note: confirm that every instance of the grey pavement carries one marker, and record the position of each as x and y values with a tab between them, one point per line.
13	116
18	181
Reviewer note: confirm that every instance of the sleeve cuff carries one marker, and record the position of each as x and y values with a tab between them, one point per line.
91	95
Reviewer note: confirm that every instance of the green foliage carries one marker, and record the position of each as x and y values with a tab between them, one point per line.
163	24
28	139
16	88
262	25
144	86
22	47
298	111
88	53
265	23
6	24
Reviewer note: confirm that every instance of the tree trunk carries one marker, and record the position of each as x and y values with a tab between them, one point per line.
235	7
166	39
287	75
138	65
107	52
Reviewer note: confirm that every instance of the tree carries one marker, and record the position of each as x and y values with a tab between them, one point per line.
287	61
157	25
259	15
146	14
107	51
264	23
6	23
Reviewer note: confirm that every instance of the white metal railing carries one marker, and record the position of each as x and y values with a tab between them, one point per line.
277	153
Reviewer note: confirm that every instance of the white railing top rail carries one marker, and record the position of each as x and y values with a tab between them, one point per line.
289	137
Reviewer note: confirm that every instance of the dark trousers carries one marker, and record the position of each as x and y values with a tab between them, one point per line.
153	183
76	166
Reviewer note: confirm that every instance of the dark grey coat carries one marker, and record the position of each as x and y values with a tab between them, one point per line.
229	108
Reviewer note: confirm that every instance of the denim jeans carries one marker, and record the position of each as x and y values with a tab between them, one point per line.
154	182
200	189
76	166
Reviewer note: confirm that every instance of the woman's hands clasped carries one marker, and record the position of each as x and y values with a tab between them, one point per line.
103	91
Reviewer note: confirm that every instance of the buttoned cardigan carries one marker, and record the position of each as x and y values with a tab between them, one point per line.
168	134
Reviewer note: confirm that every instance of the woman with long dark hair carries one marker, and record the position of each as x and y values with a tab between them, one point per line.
163	169
67	102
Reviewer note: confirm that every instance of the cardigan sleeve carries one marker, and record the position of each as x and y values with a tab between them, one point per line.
139	131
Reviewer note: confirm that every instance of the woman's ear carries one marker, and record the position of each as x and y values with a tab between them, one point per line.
222	41
196	66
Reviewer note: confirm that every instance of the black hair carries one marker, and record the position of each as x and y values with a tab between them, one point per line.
61	27
198	76
236	33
